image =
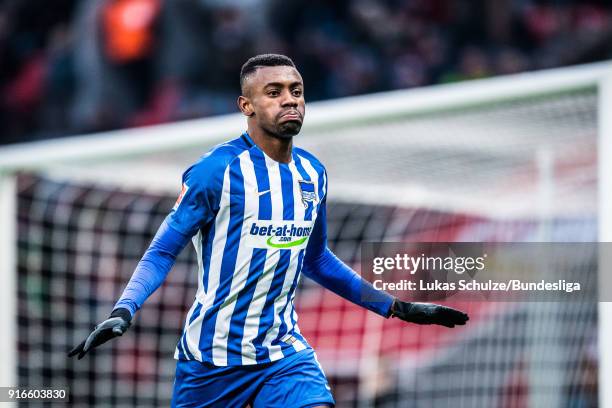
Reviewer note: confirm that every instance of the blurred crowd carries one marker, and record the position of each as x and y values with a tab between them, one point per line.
71	66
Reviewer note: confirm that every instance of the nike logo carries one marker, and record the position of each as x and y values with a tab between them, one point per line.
260	193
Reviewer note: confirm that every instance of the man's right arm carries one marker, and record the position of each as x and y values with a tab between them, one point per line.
153	268
193	210
147	277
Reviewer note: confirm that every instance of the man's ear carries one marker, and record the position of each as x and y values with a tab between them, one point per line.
245	106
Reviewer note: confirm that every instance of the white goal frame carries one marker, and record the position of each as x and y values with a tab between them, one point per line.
321	115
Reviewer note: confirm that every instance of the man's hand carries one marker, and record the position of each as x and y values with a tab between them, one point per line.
114	326
427	313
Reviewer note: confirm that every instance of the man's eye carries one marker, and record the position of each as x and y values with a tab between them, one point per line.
273	93
297	92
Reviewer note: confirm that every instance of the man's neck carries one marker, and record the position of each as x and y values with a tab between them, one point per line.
278	149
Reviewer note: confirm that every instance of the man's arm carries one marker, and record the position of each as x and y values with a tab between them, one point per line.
153	268
322	266
194	208
147	277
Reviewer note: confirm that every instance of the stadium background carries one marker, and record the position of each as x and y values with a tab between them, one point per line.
72	69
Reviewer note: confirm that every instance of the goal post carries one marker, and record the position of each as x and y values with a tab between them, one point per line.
8	269
605	235
511	128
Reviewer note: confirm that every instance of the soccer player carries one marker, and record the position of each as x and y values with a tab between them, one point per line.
255	210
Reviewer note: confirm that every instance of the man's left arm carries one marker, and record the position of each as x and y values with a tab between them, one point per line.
322	266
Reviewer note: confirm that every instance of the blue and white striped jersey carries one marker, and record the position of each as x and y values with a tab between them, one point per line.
251	219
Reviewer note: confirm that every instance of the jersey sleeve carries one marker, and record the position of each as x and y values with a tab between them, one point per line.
198	201
322	266
195	207
153	268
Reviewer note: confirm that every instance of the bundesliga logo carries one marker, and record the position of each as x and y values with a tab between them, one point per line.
184	189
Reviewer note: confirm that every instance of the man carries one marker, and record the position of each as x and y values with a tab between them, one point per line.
256	209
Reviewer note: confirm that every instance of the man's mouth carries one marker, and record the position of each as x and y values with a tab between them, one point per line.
291	115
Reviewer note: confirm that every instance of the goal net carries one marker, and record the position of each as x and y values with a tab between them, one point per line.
502	160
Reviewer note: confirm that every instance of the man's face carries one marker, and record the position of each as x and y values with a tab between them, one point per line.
275	96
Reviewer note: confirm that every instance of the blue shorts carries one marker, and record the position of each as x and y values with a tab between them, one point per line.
296	381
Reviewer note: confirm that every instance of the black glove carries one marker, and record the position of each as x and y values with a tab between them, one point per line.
114	326
427	313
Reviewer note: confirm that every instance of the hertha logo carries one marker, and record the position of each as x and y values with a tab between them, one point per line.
308	192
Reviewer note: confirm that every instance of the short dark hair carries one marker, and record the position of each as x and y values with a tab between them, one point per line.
263	60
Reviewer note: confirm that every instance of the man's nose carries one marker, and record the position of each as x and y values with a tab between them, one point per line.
289	99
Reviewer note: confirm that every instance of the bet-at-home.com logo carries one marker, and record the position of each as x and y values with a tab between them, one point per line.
279	234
